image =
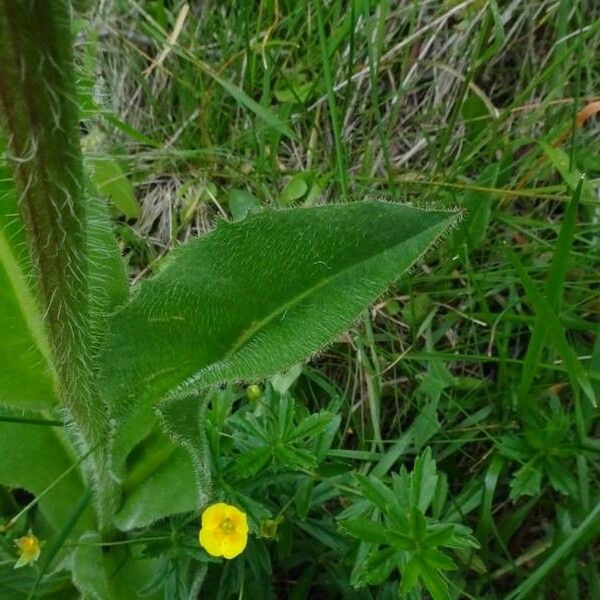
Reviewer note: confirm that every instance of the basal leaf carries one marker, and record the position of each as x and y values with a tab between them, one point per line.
111	573
256	296
169	488
252	298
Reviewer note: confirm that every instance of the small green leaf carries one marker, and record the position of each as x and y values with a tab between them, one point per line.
423	481
526	482
294	189
471	560
294	89
400	541
252	461
572	177
303	497
410	575
295	458
111	182
438	560
241	203
283	381
379	566
417	524
434	581
376	491
438	535
560	477
366	530
312	426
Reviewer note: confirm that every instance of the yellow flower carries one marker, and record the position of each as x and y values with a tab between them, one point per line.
224	530
29	549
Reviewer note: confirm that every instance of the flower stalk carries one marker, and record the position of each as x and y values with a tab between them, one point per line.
39	114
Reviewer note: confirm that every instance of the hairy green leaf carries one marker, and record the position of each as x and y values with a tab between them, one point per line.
111	573
252	298
166	487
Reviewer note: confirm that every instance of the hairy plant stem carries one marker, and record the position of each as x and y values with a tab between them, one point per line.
38	102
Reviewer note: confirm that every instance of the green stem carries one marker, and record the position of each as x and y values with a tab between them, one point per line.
38	102
39	110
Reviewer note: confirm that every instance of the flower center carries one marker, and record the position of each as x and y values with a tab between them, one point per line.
227	525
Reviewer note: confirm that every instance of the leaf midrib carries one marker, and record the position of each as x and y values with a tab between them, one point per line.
248	334
253	330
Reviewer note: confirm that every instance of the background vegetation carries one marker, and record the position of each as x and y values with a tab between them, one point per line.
468	393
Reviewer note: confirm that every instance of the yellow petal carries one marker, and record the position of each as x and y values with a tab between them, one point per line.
234	544
214	515
29	550
238	518
211	541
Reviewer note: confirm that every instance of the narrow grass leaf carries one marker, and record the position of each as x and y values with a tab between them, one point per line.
576	371
587	531
552	291
260	111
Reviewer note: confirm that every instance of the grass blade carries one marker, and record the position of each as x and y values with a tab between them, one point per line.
552	291
584	534
540	305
